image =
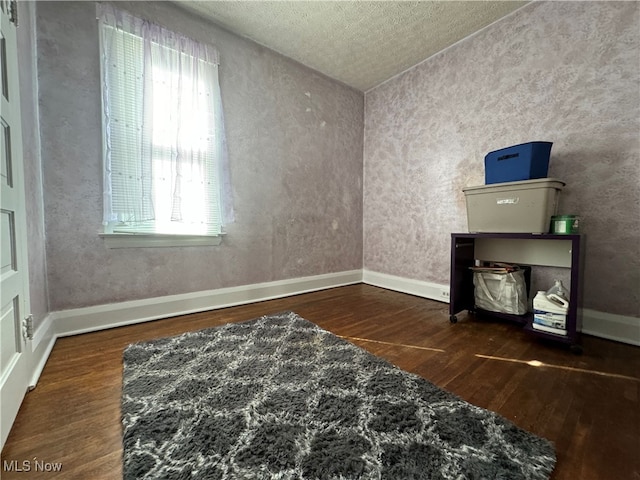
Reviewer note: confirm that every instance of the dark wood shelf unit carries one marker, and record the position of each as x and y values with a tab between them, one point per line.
520	248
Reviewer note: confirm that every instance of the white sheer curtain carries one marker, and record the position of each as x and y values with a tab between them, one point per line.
164	146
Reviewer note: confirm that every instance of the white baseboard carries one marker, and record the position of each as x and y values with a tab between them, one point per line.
612	327
91	319
83	320
433	291
43	341
599	324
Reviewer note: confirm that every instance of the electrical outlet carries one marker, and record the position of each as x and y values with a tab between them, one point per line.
444	294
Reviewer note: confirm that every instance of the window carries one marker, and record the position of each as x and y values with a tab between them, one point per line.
163	134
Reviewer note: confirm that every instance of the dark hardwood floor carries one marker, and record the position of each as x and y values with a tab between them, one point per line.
588	404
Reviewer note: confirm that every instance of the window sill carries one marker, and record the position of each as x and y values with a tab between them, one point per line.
137	240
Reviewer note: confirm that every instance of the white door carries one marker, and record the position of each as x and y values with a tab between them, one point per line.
14	304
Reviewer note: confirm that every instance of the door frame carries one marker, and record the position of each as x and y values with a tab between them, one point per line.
16	377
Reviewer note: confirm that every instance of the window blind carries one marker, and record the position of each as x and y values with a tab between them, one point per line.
162	132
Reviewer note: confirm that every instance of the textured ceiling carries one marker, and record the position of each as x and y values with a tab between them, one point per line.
360	43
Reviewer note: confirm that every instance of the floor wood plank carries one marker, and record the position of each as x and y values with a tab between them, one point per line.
588	405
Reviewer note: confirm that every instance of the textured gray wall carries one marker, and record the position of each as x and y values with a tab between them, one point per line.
566	72
561	71
32	166
295	146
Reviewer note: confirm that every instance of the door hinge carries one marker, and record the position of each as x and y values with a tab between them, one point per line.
13	12
27	328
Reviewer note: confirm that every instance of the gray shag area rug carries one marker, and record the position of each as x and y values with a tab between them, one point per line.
280	398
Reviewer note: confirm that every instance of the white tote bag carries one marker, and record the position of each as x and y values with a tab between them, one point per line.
501	292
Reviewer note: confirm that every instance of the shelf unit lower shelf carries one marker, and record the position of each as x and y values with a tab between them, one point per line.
565	251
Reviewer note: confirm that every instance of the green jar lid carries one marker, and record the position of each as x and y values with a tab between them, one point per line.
565	224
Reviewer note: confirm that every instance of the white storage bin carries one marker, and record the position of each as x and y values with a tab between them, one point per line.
513	207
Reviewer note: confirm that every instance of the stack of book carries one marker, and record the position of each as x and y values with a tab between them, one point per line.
495	267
